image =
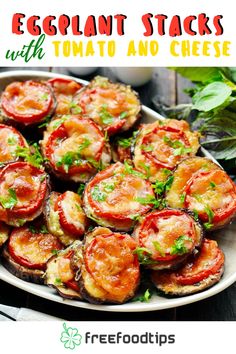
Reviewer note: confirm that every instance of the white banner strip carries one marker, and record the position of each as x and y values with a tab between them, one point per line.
118	337
117	33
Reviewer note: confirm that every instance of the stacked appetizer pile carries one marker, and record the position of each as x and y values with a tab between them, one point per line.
91	203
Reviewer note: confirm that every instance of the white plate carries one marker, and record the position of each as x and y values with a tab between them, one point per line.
226	239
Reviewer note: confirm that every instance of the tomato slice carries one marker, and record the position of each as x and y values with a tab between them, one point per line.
114	107
32	249
209	262
167	234
165	146
76	146
118	194
212	194
111	262
27	102
23	189
71	215
10	139
64	89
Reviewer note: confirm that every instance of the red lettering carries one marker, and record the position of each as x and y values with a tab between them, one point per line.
161	24
63	24
147	24
187	25
105	25
218	26
175	27
16	23
75	26
120	24
48	28
90	27
202	25
32	28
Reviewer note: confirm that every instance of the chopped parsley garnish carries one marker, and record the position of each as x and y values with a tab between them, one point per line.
10	201
76	108
166	171
44	97
105	116
149	200
81	188
195	215
125	142
32	154
144	256
146	168
78	207
135	217
55	252
212	184
123	115
209	213
108	187
130	170
158	248
182	198
60	121
42	230
160	187
45	122
98	195
145	297
57	281
198	197
12	140
178	146
179	245
73	158
207	225
147	148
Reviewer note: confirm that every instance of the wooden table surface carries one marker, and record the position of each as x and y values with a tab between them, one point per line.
221	307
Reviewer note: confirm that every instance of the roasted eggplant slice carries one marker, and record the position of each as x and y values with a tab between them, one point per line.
60	274
10	141
203	187
114	106
4	233
116	196
76	149
121	149
110	271
166	238
28	250
23	190
65	216
198	274
64	90
27	102
160	146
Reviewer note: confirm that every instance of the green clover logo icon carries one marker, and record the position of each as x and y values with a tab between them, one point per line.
70	337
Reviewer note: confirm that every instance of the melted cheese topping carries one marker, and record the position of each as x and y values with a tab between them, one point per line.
74	214
8	143
116	99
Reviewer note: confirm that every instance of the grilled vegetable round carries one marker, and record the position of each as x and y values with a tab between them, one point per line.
198	274
60	274
160	146
10	141
28	250
27	102
4	233
166	238
110	272
116	196
23	190
115	107
64	90
65	217
76	148
203	187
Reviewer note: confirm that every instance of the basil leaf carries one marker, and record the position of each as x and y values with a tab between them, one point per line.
211	96
201	74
